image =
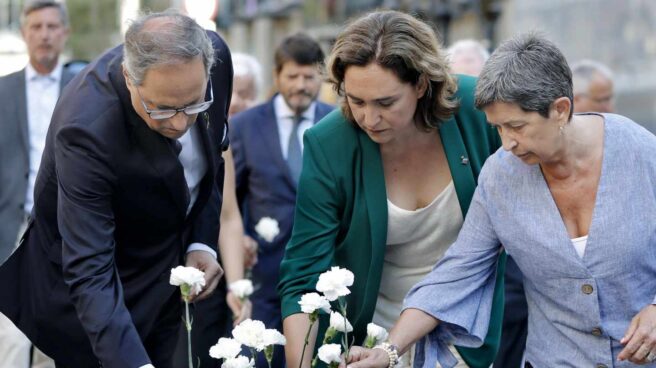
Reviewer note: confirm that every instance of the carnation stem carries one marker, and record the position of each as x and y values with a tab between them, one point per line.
188	325
313	318
342	307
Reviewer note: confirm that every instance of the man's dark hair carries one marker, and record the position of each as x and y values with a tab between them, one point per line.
34	5
299	48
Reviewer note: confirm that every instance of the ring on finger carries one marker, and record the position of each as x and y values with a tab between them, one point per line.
651	356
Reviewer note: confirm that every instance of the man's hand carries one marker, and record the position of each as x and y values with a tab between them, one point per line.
640	338
205	262
360	357
250	251
240	310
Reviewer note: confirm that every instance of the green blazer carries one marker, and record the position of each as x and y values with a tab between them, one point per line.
341	212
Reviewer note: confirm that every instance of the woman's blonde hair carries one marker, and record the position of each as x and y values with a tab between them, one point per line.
406	46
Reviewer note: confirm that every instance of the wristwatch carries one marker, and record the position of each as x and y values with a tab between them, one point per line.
392	352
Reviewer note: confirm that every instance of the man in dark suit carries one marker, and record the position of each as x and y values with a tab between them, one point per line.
267	146
29	97
127	189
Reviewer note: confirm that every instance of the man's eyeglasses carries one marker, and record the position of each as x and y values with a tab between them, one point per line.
187	110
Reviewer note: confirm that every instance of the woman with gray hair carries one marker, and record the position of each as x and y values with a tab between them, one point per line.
563	197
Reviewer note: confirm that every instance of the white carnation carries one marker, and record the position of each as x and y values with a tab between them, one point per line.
190	276
273	337
330	353
239	362
226	348
267	228
242	288
311	302
335	282
340	323
250	333
376	332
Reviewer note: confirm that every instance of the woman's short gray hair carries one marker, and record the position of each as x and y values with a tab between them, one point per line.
178	40
527	70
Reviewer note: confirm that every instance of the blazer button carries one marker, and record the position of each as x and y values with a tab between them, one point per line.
596	331
587	289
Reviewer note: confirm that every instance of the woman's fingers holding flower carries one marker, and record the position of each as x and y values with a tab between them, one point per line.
360	357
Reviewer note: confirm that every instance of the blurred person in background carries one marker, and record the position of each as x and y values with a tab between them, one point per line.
593	87
267	145
572	198
29	97
467	57
386	180
247	83
215	316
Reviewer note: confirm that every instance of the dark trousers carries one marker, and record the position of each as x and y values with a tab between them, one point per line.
515	319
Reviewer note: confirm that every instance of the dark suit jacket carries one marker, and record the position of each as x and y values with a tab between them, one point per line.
109	223
265	188
15	155
341	215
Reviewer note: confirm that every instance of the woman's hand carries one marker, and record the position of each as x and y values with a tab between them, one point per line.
240	310
640	338
250	251
360	357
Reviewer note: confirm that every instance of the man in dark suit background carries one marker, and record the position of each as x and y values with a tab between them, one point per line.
28	97
267	143
128	188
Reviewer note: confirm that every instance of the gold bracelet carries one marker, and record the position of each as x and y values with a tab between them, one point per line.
392	352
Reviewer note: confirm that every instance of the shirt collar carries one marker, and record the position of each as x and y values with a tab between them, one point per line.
55	75
284	112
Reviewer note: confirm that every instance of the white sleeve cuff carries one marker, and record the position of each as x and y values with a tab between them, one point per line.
201	246
147	366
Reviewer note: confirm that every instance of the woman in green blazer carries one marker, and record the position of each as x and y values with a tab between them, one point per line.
406	131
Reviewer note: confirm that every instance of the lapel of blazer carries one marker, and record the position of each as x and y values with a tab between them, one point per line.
207	182
271	139
373	179
458	158
163	159
20	87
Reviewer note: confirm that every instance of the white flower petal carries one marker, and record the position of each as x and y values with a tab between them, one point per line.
310	302
250	333
191	276
226	348
267	228
238	362
338	322
273	337
330	353
242	288
335	283
376	332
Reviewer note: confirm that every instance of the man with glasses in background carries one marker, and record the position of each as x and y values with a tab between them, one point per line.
127	190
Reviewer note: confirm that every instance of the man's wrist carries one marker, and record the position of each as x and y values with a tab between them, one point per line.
392	353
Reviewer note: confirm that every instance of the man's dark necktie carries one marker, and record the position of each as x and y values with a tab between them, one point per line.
294	152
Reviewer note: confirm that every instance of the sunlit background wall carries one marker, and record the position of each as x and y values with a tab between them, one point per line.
619	33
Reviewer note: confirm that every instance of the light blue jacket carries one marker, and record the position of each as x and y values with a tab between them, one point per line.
579	308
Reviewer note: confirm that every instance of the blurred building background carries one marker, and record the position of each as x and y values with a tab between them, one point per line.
619	33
